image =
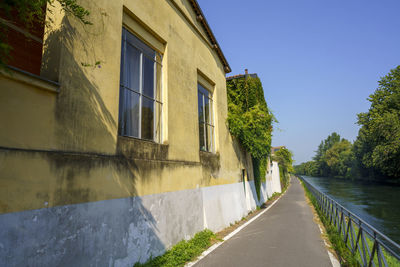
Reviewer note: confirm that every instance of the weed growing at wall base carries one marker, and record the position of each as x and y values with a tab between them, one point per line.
183	252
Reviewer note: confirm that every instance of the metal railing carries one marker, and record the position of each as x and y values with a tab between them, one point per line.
358	235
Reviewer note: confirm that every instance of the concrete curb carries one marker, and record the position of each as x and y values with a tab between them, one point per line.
213	247
334	261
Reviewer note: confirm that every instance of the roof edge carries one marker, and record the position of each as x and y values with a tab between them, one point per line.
202	19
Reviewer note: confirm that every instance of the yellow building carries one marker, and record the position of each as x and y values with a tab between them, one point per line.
119	148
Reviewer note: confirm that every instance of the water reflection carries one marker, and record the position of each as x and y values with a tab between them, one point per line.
377	204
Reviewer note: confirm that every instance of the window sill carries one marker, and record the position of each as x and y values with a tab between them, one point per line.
30	79
210	161
135	148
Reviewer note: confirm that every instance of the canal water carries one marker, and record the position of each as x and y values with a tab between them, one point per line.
377	204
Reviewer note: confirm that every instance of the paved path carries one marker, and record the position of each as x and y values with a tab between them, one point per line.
285	235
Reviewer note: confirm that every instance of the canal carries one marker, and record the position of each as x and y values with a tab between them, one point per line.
377	204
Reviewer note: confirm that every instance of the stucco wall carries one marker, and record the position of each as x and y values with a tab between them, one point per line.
67	139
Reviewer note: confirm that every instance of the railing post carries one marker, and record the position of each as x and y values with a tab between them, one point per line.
371	257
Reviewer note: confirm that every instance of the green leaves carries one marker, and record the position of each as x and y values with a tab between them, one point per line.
378	142
334	157
249	119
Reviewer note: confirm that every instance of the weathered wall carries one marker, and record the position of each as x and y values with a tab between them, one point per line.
120	232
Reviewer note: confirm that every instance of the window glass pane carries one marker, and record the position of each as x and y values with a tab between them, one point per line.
158	82
210	140
207	136
200	107
148	77
203	90
207	109
158	122
133	40
147	118
211	112
129	113
201	137
132	68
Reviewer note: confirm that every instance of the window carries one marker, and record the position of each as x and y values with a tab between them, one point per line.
206	119
25	39
140	90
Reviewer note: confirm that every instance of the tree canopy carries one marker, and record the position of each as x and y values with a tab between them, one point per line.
378	142
334	157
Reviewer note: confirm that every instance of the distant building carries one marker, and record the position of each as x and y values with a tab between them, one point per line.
238	76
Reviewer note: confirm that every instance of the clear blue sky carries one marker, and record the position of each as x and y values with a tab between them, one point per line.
318	60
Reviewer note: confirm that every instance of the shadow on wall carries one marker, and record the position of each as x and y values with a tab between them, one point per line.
76	231
84	120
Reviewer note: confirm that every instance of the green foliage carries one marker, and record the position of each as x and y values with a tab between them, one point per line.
309	168
260	168
334	157
183	252
33	13
284	158
378	143
250	121
339	158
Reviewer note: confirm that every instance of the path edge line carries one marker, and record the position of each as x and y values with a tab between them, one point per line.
237	230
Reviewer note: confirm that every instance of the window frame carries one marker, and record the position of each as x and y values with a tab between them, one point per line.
204	123
136	43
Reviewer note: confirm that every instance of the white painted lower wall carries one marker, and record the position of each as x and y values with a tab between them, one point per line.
120	232
273	178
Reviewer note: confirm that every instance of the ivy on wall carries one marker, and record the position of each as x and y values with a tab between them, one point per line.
250	121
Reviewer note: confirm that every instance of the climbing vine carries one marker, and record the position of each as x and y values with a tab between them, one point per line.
250	121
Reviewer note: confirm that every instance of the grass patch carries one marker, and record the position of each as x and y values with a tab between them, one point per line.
391	261
182	252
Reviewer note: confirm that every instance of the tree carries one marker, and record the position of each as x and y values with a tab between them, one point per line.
378	142
325	145
339	158
32	12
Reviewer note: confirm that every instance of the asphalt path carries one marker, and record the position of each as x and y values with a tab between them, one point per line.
285	235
